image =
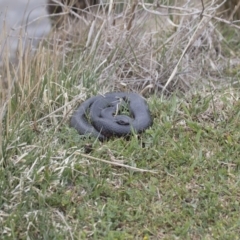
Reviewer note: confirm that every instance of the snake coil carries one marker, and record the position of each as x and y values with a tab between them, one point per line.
99	116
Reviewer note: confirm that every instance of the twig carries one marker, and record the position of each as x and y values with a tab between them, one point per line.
114	163
201	14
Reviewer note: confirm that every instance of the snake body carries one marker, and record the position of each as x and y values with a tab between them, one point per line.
104	119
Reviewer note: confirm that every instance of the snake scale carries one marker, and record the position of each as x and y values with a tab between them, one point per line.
101	116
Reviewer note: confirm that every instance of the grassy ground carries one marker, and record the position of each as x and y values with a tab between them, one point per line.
178	180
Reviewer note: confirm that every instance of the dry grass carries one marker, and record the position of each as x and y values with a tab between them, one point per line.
231	10
50	187
157	48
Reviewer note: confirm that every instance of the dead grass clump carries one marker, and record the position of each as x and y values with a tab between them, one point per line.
143	47
174	48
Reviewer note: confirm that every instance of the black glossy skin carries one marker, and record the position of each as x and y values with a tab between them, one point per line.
79	120
104	124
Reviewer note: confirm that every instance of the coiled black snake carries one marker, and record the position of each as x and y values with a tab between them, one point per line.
104	118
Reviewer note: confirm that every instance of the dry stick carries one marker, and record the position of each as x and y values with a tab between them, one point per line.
114	163
110	7
201	15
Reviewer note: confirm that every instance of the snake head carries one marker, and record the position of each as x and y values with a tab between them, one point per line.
123	120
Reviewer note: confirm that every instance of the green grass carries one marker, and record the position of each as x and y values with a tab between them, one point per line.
177	180
50	189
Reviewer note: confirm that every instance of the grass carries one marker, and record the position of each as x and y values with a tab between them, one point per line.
178	179
51	189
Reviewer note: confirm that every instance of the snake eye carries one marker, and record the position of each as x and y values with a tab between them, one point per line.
122	122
